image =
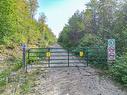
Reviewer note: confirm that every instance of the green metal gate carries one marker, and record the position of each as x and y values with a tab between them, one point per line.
58	57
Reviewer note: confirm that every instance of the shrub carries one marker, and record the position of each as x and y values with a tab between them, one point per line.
119	69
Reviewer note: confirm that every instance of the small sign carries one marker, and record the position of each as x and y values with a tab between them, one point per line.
48	54
111	43
111	50
23	46
81	53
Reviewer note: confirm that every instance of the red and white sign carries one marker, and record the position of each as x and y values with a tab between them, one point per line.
111	50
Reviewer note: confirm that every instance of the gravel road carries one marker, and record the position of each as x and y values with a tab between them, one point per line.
73	81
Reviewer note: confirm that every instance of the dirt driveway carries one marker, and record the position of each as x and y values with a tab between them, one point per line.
73	81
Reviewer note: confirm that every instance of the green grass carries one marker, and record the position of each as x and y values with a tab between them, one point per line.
15	66
26	87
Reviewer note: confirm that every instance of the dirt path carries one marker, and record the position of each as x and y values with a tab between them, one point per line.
73	81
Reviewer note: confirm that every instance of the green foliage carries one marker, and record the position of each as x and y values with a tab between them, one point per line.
17	24
119	69
46	36
97	55
92	27
36	55
72	33
26	87
102	20
7	20
16	65
3	76
90	40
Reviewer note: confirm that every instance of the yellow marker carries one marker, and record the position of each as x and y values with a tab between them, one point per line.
48	54
81	53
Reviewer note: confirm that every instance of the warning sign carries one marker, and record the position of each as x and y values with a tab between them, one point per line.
48	54
81	53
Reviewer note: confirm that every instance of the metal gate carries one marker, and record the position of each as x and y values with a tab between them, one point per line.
58	57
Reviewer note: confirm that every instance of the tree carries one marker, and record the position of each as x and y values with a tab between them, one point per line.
7	20
91	14
17	24
33	5
73	32
46	35
103	19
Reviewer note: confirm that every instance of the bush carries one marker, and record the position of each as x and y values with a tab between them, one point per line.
119	70
90	40
97	55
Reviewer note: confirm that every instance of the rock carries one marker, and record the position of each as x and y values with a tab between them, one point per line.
2	58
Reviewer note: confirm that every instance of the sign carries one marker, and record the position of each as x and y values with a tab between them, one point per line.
111	50
81	53
48	54
23	46
111	43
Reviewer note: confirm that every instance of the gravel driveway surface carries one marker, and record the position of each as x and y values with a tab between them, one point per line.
74	81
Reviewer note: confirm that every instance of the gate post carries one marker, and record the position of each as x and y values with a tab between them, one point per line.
68	58
87	56
48	58
28	57
24	57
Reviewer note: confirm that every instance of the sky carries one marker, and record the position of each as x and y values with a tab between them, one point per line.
59	11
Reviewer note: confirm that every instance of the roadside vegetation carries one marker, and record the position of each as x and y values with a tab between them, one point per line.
18	25
102	20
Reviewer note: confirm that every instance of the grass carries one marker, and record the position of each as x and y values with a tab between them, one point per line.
26	87
25	80
11	68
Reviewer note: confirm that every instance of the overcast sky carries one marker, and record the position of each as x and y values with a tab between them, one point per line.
59	11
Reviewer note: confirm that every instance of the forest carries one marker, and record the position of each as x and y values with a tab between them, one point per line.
19	26
102	20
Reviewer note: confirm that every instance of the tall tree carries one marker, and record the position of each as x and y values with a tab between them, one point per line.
33	5
92	7
46	35
106	10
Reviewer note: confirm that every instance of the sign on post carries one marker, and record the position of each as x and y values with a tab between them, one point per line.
81	53
111	50
48	54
